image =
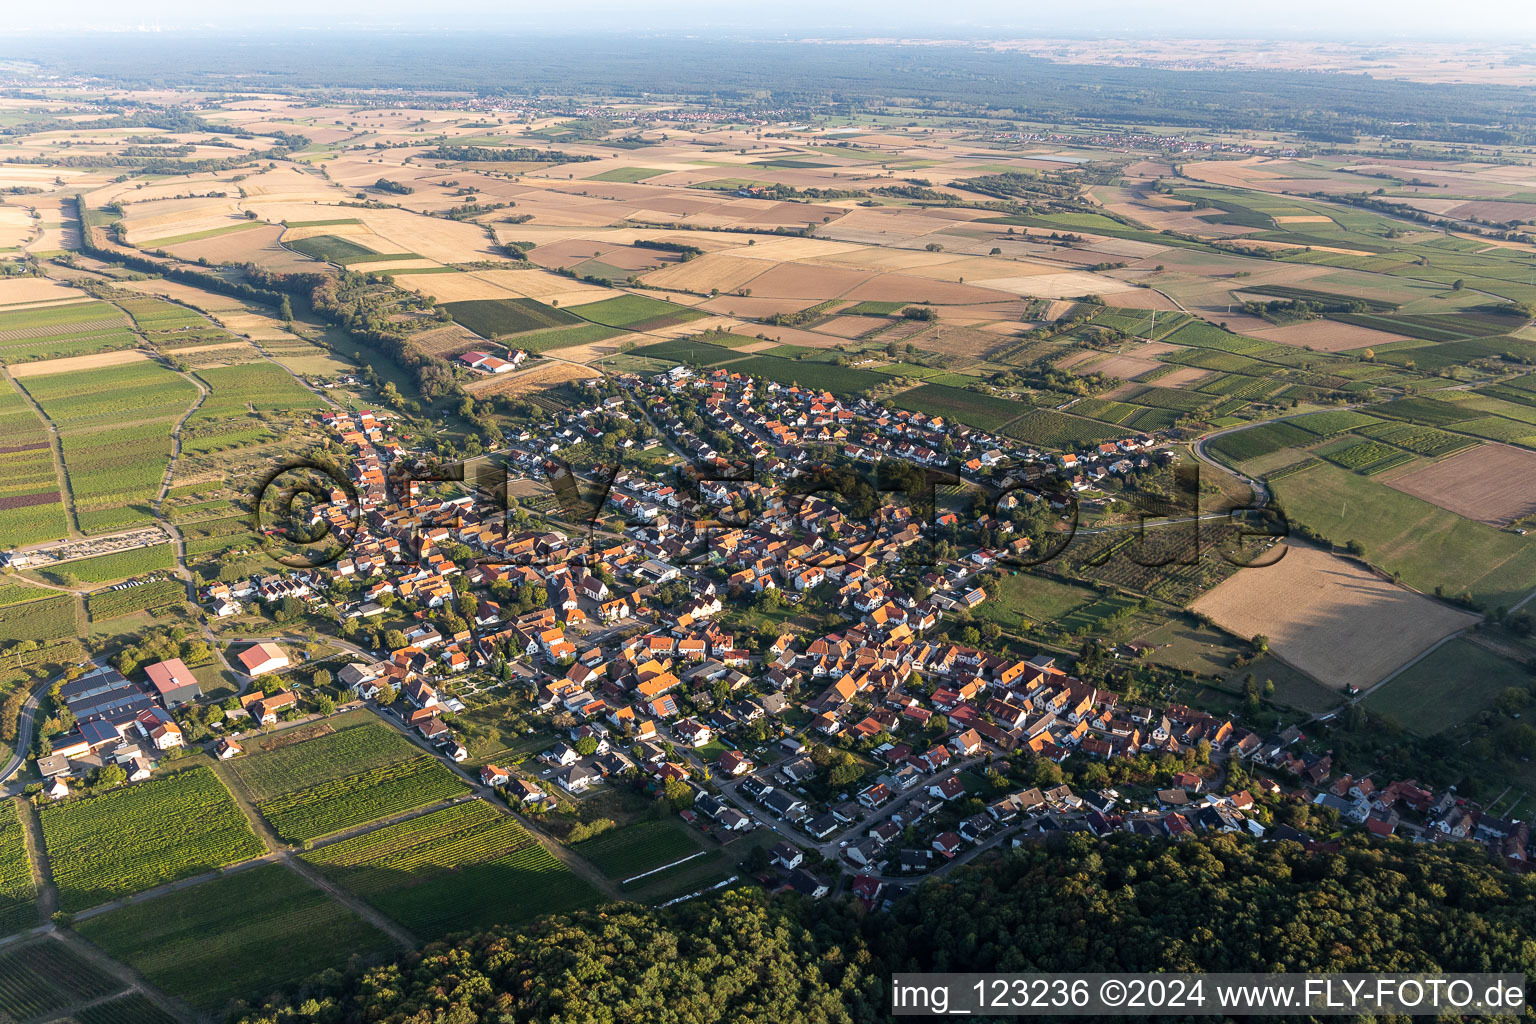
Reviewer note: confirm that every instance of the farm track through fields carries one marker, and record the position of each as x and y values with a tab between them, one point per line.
47	894
562	853
56	446
169	887
351	902
125	974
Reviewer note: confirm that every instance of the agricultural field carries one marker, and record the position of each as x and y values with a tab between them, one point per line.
357	799
18	906
50	618
112	604
43	977
239	936
1059	431
1491	484
629	850
31	504
342	251
294	762
492	318
1451	685
133	838
1330	617
636	313
118	565
1430	547
973	408
462	867
114	425
133	1008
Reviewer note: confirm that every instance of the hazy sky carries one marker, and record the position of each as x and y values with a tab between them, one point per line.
1498	20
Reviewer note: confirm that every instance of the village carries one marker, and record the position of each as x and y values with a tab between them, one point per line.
882	748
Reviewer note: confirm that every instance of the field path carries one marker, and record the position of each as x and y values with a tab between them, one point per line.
55	446
170	887
177	540
128	976
311	875
560	852
42	875
248	807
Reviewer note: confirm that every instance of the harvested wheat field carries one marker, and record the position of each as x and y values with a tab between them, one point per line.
717	270
197	298
16	226
1323	335
1124	367
905	288
1330	617
1050	286
736	305
1492	483
18	290
1183	375
537	379
45	367
852	326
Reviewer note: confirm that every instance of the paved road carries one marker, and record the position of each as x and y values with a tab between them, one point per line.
25	724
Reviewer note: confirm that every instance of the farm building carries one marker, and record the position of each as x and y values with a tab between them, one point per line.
174	682
489	363
259	659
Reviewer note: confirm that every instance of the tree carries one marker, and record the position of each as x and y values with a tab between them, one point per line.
679	795
586	746
324	704
938	724
111	776
845	774
386	696
323	678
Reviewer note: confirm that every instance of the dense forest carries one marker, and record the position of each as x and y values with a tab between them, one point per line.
1216	904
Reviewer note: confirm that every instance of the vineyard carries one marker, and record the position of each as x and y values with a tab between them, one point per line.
623	852
1171	563
241	935
637	312
114	425
133	1008
1368	457
1420	440
970	407
31	507
111	604
358	799
1050	429
118	565
17	907
134	838
52	618
295	766
491	318
1328	424
462	867
47	976
1242	445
